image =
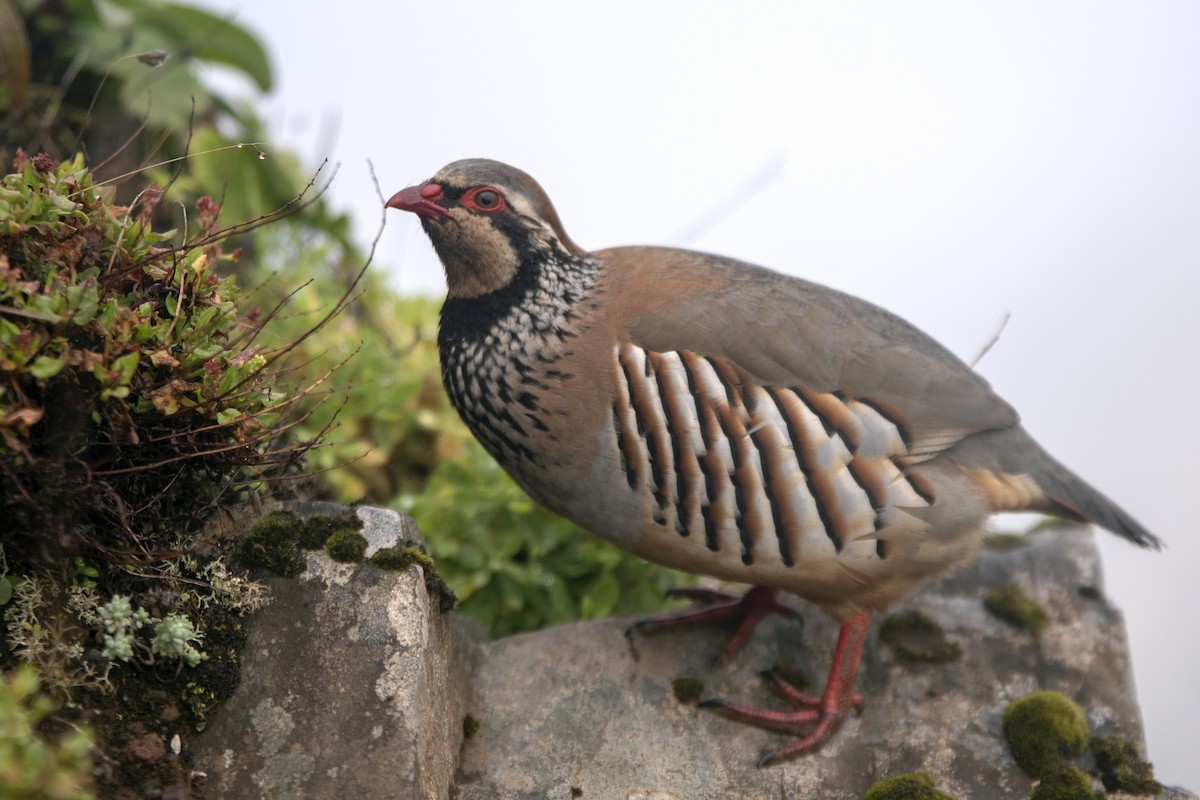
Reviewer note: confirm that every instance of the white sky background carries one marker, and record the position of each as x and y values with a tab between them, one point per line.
950	161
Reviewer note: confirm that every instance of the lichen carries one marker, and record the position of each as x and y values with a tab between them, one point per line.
1010	604
909	786
1065	783
687	690
917	638
1044	731
346	545
1121	768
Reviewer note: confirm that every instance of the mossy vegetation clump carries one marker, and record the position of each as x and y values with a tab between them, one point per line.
134	396
1044	730
273	543
909	786
1065	783
687	690
1121	768
346	545
1013	606
917	638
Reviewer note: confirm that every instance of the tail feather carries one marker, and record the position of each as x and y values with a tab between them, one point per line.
1067	495
1078	500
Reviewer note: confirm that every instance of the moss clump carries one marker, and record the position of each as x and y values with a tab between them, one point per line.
1066	783
346	545
1012	605
909	786
317	529
273	543
1004	541
403	556
1044	730
470	726
687	690
1121	768
917	638
400	558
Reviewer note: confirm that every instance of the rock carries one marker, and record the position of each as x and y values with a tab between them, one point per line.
355	685
572	712
352	684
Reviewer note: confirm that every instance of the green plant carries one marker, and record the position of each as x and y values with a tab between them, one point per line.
516	566
32	767
909	786
1044	731
133	396
1121	768
171	636
1013	606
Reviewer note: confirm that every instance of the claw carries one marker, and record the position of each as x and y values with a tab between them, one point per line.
713	606
816	719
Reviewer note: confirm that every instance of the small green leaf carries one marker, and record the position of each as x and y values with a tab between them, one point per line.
125	366
46	367
6	590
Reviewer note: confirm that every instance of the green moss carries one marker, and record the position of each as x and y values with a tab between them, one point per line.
400	558
317	529
1121	768
1044	730
470	726
917	638
273	543
910	786
403	556
1004	541
1067	783
346	545
1010	604
687	690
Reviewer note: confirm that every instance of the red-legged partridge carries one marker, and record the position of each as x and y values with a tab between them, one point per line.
719	418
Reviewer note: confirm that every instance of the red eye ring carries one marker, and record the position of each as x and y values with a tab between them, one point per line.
484	198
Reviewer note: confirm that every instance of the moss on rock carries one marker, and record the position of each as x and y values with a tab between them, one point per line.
1013	606
909	786
1121	768
273	544
687	690
1067	783
917	638
346	545
1044	731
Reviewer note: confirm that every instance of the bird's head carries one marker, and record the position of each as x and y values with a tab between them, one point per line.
485	219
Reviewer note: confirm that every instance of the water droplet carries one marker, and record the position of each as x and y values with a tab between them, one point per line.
262	156
239	147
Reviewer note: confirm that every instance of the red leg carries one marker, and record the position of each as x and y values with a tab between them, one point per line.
746	611
815	720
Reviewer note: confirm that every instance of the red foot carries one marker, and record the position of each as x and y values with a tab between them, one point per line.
747	611
816	719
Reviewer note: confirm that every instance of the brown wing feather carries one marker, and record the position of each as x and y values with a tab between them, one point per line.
790	332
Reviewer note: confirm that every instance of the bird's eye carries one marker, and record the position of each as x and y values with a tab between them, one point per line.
484	199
